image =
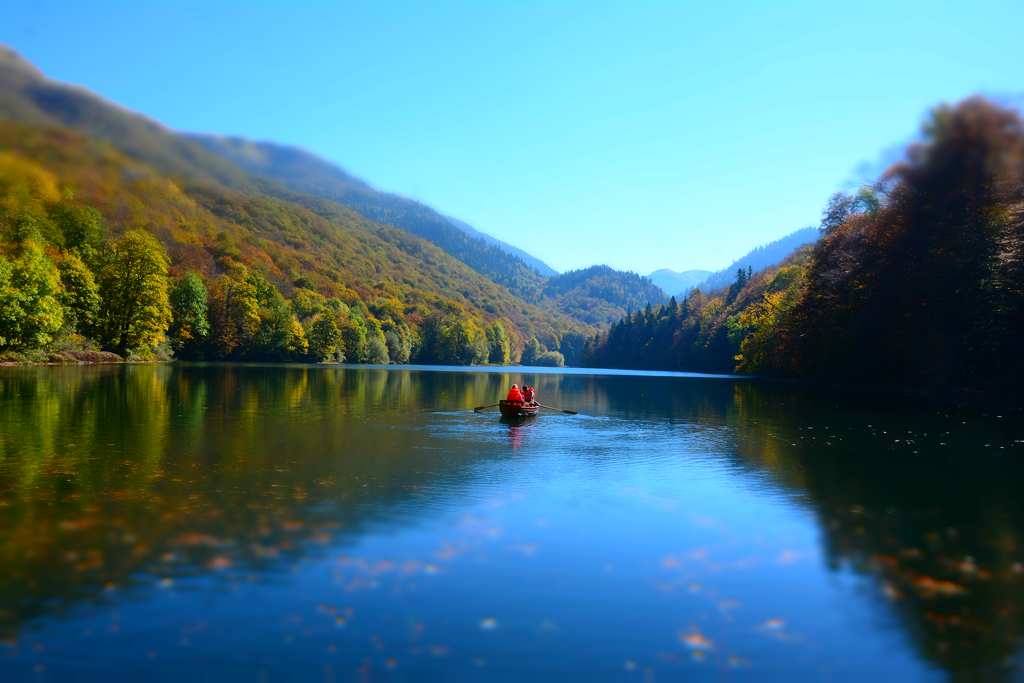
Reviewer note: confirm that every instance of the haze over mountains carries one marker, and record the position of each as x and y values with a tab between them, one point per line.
757	259
672	282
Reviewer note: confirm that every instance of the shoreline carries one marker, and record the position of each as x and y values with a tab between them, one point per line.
61	358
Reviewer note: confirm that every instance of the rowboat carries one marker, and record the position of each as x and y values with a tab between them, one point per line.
517	408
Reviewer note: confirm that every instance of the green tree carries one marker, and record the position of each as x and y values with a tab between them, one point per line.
234	311
325	338
573	345
463	342
135	310
190	325
280	336
30	311
353	335
377	349
80	295
81	229
499	346
531	351
400	340
550	359
376	343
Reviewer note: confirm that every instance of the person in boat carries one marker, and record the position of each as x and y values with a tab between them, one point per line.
514	394
528	394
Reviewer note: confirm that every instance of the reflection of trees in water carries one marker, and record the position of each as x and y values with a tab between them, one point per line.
928	506
122	476
119	477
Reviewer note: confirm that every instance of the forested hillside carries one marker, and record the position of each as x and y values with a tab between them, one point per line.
598	295
230	275
306	173
917	282
296	178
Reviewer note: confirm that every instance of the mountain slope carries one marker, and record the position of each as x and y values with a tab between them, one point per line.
26	95
760	258
530	260
207	227
673	283
306	173
600	295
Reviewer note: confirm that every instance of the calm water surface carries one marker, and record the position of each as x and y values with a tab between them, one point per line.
266	523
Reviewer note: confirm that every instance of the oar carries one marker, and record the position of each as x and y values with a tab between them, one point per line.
561	410
479	408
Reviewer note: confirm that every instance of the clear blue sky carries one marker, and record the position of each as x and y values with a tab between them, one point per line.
642	135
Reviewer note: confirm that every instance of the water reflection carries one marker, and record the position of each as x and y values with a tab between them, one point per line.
120	484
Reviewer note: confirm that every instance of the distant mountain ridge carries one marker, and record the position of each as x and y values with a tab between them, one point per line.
530	260
674	283
762	257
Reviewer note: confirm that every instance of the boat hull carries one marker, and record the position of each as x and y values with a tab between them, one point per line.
518	409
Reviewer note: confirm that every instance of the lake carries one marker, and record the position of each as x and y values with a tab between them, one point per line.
226	522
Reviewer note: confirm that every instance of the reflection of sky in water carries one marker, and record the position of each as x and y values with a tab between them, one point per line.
611	544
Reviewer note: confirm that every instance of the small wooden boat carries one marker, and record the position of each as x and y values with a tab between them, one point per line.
518	408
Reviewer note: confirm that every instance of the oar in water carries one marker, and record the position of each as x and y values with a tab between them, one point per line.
479	408
561	410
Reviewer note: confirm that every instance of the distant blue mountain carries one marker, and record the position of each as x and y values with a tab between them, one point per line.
760	258
673	283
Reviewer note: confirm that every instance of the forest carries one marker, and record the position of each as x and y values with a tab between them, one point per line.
184	273
917	280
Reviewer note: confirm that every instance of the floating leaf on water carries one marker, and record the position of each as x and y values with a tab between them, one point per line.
165	582
196	540
76	524
695	640
488	624
219	562
773	624
391	663
929	587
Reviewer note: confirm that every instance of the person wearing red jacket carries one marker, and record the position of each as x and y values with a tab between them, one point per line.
528	394
514	394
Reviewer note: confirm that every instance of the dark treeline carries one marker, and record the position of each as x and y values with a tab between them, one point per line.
918	280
